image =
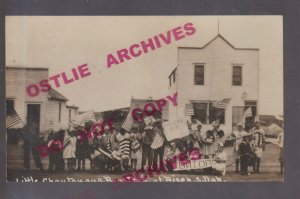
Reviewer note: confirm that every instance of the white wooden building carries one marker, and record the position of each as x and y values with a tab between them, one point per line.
213	72
47	109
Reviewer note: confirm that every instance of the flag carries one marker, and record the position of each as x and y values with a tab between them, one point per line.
128	123
189	110
158	141
12	118
223	103
248	112
82	118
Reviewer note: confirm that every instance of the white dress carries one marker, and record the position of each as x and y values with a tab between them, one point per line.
70	149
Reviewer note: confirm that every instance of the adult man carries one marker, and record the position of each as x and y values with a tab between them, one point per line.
237	137
31	142
158	144
212	136
258	144
147	139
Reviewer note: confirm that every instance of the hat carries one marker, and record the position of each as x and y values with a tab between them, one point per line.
72	129
149	120
148	128
198	123
257	121
220	145
135	126
215	124
158	120
106	127
173	144
240	124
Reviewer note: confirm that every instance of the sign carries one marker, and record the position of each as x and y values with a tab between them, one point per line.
194	164
176	129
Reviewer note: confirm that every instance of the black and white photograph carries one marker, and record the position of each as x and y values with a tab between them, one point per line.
144	99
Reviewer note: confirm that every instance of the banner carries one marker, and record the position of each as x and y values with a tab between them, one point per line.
176	129
193	164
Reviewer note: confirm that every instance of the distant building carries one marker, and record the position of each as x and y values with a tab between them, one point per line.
213	72
47	109
140	103
73	111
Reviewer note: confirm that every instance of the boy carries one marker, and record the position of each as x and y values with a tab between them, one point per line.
245	151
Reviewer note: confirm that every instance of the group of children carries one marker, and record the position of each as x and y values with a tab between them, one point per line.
118	149
248	148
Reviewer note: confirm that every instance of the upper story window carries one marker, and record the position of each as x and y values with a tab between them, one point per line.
236	75
199	74
9	106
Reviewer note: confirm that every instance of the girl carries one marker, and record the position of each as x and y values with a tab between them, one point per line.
70	149
135	146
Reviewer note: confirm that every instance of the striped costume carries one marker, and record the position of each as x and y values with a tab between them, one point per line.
124	144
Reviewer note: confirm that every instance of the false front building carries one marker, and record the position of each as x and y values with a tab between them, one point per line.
216	71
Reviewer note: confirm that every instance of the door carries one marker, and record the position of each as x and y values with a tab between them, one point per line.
237	116
33	114
249	121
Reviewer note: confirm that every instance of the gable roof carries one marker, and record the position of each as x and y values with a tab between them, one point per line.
54	95
221	37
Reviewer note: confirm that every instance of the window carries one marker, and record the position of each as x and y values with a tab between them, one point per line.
249	121
59	112
9	106
216	114
200	112
237	75
199	74
69	113
206	113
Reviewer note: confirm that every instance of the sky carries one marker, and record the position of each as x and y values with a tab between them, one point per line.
61	43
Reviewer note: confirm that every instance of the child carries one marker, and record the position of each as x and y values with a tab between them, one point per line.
70	149
245	152
220	160
82	147
171	153
135	146
123	139
55	153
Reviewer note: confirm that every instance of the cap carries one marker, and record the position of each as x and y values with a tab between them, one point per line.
220	144
240	124
215	124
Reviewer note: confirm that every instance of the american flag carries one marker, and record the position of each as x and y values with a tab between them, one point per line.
158	141
189	110
128	123
223	103
248	112
12	119
66	140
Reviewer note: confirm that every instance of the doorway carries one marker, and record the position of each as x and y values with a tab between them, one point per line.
33	114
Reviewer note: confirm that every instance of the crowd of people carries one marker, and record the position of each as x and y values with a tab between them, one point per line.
119	150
